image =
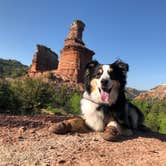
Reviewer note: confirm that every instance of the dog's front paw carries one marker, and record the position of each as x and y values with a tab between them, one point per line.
111	133
60	128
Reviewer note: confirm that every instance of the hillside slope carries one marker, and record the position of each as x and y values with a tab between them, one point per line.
12	68
158	92
131	93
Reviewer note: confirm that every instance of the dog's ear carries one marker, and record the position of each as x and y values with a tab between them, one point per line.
89	68
91	64
124	67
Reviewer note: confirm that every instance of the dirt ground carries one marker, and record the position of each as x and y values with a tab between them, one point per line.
25	141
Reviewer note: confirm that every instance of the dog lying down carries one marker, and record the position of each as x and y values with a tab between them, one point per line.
104	106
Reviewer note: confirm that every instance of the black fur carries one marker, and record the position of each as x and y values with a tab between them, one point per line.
117	103
90	71
120	70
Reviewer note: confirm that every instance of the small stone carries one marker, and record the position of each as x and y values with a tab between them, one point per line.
61	161
102	155
20	138
154	151
52	147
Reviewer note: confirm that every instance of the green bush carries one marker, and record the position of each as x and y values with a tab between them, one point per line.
145	106
151	120
7	99
29	96
155	113
50	76
66	98
162	122
74	103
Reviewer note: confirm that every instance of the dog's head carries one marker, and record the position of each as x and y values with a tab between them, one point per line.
104	82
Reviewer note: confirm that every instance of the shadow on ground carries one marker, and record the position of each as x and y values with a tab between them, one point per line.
146	134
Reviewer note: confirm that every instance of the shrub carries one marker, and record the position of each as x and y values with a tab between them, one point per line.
32	94
50	76
28	96
25	96
8	102
162	122
152	122
155	113
5	94
66	98
74	103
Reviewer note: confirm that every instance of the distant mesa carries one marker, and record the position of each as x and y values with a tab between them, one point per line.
73	57
158	92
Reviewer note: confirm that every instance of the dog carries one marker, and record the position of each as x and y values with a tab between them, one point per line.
104	106
104	103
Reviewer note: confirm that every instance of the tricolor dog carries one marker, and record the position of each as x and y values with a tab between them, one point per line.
104	106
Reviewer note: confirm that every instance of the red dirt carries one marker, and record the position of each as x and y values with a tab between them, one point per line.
25	140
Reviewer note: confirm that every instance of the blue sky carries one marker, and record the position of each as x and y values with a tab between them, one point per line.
132	30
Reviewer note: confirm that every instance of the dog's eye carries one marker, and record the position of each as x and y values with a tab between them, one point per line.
110	70
99	72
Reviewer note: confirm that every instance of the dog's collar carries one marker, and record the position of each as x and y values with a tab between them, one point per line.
86	98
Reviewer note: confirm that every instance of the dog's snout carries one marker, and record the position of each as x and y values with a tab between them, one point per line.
104	82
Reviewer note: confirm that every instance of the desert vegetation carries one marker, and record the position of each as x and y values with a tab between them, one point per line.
12	68
30	96
155	113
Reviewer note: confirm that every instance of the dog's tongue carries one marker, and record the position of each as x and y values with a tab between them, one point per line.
104	96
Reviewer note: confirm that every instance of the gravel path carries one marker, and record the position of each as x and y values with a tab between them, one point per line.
25	141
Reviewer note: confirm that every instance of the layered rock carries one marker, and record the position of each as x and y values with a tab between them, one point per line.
44	60
159	92
74	56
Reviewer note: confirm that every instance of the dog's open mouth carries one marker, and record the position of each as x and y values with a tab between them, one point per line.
105	94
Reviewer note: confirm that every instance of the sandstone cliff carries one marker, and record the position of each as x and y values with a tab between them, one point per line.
73	57
158	92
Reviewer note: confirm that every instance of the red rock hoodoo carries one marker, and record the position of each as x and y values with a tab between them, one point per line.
73	57
44	60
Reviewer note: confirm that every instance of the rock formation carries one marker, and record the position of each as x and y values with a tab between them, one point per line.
158	92
44	60
73	57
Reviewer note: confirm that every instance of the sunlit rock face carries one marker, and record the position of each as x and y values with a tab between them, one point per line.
158	92
44	60
73	57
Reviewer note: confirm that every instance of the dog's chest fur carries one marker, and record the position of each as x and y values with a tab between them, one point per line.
96	116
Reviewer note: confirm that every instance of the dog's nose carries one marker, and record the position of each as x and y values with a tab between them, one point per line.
104	82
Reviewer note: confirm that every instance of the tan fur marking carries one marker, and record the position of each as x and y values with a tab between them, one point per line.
77	123
100	71
110	70
93	84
